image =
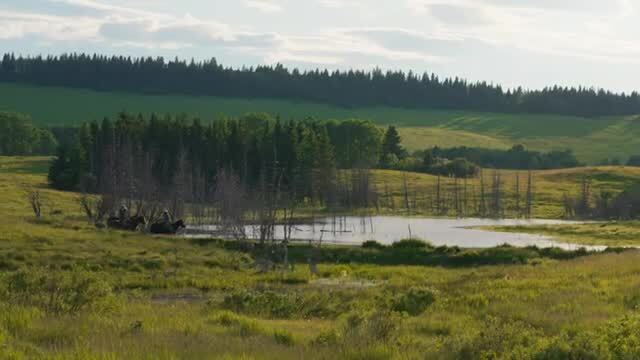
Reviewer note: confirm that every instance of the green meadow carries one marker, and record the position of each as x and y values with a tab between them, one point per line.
71	291
592	139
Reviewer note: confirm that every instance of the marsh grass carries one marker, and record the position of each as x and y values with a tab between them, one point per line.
364	303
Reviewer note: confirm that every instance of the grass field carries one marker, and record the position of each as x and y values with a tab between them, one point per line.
70	291
592	139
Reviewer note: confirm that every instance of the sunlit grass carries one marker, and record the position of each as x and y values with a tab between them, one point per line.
172	296
625	233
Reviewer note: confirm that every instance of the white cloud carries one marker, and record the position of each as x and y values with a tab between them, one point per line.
335	4
18	25
263	5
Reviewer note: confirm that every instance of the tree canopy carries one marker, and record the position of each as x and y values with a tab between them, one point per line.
255	147
19	137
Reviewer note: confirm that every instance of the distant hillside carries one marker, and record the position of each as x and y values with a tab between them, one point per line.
592	139
349	89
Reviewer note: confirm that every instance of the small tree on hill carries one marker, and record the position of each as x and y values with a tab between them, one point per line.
391	146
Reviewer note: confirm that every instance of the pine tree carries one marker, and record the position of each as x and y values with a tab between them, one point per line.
392	149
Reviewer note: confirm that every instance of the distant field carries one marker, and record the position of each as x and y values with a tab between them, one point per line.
592	139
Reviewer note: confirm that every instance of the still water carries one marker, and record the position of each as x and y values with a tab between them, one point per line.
388	229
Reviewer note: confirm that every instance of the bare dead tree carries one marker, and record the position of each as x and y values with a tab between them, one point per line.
405	192
438	197
230	200
288	203
457	203
482	209
569	207
496	208
95	207
35	201
584	204
529	195
465	197
516	192
389	196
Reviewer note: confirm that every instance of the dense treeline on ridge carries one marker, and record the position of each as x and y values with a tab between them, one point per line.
351	88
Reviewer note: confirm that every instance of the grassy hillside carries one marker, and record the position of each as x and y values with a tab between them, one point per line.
592	139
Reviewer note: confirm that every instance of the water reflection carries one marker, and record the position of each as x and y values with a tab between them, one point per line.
388	229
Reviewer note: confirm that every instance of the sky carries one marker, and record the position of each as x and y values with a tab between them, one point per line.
529	43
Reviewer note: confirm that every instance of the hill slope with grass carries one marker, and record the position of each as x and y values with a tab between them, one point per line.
592	139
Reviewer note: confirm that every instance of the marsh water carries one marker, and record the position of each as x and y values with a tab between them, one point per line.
355	230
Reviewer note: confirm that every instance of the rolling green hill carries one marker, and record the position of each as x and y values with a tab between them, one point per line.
592	139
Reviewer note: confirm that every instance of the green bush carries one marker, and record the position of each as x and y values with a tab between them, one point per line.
283	337
499	339
269	303
56	292
244	326
410	244
372	244
330	337
371	328
415	301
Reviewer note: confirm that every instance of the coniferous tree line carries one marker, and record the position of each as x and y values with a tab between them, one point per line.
256	148
353	88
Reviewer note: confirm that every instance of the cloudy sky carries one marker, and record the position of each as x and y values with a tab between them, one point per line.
532	43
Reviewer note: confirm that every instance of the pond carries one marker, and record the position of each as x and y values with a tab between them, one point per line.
353	230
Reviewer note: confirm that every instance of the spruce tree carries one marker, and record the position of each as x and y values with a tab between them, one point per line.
392	149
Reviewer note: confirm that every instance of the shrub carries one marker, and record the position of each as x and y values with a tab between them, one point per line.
283	337
415	301
371	328
499	339
632	301
331	337
269	303
372	244
244	326
410	244
57	292
476	301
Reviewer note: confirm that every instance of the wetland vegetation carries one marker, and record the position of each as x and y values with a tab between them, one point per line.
70	290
